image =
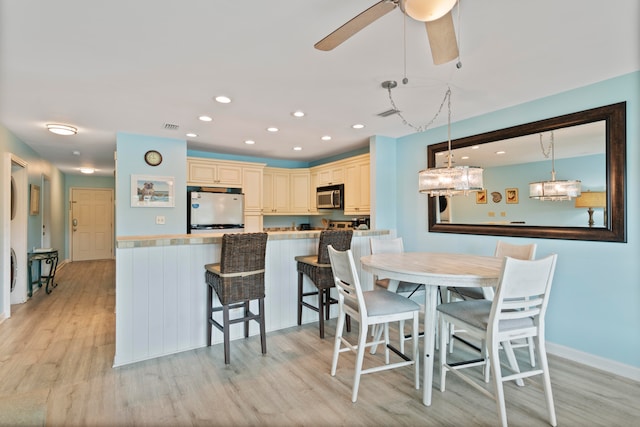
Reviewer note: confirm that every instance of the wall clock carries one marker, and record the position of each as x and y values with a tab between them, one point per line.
153	157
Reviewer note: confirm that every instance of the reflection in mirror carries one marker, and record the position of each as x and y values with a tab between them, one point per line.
589	146
515	162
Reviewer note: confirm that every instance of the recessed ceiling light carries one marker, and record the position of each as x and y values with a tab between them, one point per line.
87	170
76	153
440	153
358	126
205	118
223	99
249	142
297	148
500	152
62	129
192	135
326	138
475	147
298	114
273	129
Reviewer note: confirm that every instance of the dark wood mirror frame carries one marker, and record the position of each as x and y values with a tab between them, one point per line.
616	152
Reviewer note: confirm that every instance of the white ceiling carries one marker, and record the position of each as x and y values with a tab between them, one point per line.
132	66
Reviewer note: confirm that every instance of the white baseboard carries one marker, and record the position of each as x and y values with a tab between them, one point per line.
608	365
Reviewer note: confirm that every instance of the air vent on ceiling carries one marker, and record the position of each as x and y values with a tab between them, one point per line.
171	126
388	113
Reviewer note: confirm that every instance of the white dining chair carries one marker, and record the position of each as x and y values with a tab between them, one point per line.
503	249
517	310
406	289
368	308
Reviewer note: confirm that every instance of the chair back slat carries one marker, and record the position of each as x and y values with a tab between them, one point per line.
504	249
386	246
523	289
347	282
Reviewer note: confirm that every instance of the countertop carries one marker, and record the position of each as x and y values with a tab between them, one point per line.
124	242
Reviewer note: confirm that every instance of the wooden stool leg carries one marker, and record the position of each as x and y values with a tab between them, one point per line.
225	324
263	334
209	313
246	322
321	295
300	279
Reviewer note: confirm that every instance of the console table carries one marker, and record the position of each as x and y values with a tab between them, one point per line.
50	258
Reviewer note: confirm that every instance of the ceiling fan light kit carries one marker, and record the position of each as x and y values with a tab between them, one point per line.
428	10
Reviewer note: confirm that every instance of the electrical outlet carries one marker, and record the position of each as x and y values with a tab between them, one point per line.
160	219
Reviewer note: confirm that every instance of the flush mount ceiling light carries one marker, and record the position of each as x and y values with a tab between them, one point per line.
223	99
449	180
428	10
62	129
87	170
554	190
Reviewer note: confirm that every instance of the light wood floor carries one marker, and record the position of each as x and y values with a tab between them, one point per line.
56	355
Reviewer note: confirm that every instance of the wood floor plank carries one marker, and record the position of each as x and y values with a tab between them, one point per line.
56	356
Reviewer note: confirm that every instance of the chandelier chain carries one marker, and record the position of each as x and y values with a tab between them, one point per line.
422	128
549	150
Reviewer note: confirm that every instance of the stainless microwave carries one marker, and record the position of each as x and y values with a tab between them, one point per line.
330	197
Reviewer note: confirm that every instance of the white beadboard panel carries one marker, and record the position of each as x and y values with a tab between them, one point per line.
161	295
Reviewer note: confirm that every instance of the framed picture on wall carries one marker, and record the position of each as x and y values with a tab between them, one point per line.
511	194
152	191
481	197
34	200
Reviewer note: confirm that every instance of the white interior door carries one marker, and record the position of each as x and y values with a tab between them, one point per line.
91	223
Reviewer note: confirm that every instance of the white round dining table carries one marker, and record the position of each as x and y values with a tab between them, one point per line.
434	269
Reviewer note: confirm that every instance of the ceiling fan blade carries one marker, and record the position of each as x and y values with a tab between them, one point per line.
442	39
365	18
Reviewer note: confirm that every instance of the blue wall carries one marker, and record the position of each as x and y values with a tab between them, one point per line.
595	302
141	221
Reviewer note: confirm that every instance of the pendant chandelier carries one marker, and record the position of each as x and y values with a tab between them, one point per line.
554	190
449	180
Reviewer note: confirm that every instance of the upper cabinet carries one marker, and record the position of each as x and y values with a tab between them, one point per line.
218	173
275	191
357	198
330	174
300	196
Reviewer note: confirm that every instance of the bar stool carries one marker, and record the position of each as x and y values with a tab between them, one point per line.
318	269
237	279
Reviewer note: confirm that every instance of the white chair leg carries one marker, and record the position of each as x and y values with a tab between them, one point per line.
362	340
416	351
544	365
402	336
494	358
444	331
337	343
532	352
377	334
513	363
386	343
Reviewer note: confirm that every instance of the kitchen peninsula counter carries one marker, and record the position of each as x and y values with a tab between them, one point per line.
161	289
216	238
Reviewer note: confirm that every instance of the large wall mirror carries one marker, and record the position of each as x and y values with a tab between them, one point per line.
589	146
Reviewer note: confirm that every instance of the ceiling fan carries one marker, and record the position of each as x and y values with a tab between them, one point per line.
436	14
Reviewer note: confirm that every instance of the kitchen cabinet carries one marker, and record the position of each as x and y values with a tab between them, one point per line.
330	175
206	172
253	223
252	189
300	188
357	199
275	191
